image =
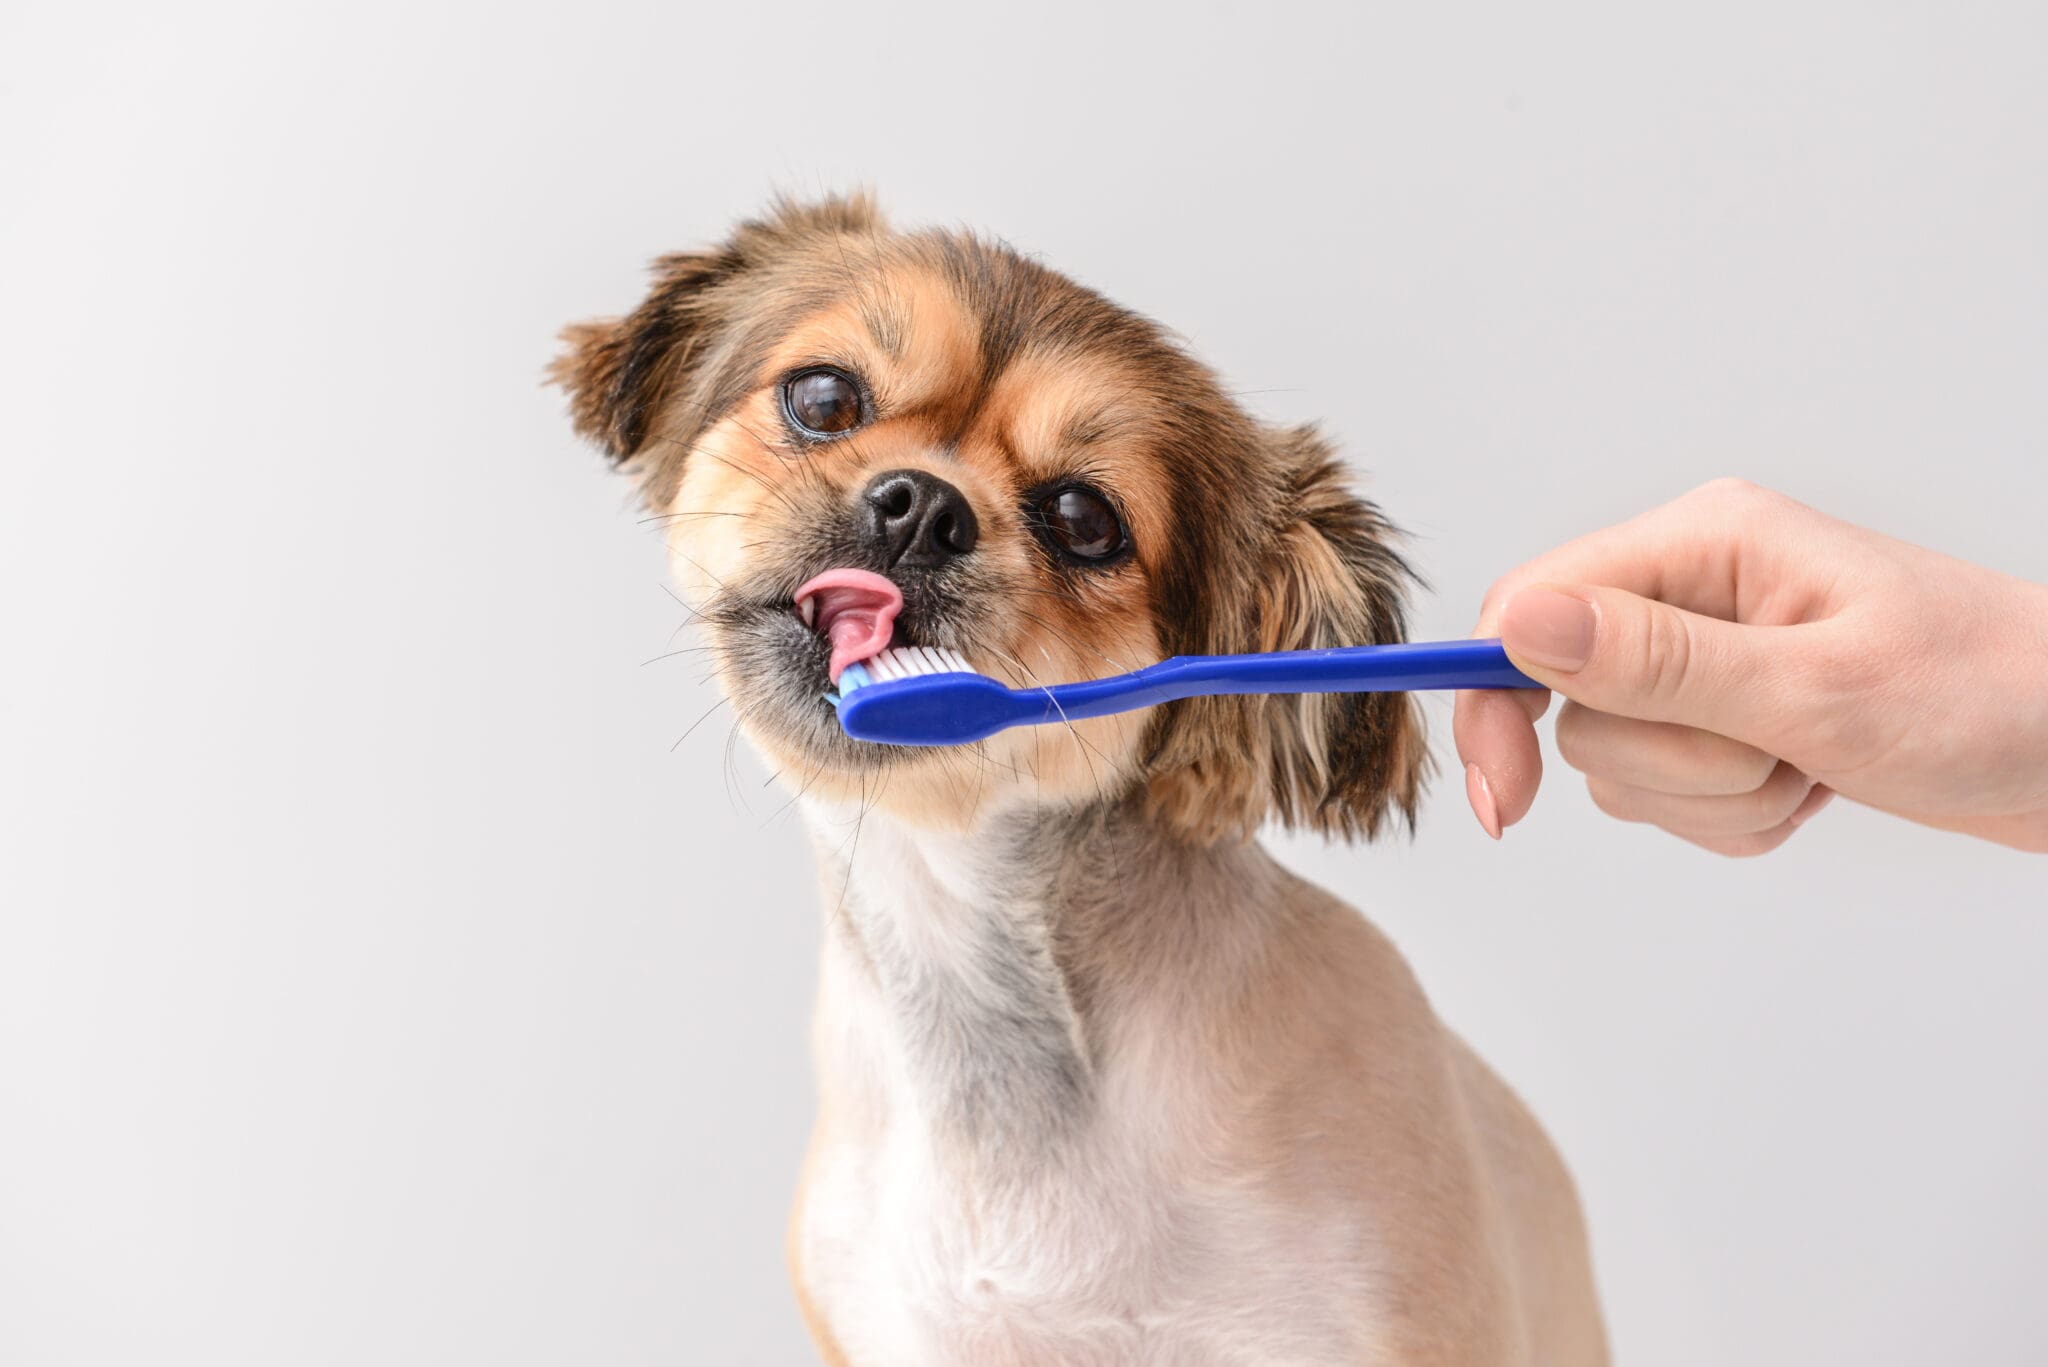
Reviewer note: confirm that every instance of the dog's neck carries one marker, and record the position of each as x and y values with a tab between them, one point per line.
983	977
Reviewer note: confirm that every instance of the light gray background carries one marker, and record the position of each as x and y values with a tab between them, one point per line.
377	987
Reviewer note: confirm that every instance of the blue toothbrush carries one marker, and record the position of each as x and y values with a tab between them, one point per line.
919	695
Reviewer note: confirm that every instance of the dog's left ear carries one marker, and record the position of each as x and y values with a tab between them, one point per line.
1328	574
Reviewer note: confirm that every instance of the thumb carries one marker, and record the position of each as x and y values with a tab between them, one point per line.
1630	656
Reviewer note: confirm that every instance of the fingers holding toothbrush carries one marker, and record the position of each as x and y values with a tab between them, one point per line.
1733	659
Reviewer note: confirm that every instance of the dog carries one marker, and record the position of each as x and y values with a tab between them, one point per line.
1099	1082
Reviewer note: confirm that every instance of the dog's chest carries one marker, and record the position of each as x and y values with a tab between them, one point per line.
1092	1259
994	1186
911	1267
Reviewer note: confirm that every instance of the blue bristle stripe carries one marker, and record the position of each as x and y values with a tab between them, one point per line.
852	677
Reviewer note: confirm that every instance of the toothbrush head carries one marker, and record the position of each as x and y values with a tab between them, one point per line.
922	695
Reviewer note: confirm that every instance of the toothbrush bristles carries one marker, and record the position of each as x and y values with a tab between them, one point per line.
903	662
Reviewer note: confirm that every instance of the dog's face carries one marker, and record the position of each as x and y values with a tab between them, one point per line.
854	438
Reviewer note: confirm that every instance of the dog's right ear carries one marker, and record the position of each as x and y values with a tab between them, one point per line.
618	372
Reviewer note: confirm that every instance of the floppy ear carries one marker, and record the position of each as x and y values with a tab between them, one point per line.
621	373
1339	763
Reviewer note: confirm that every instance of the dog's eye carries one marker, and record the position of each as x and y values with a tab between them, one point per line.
823	403
1081	523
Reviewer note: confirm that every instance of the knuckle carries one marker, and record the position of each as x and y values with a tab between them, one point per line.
1781	796
1733	491
1743	846
1763	842
1761	809
1666	654
1748	769
1611	799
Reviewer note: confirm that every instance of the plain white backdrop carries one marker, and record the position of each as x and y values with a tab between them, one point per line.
378	986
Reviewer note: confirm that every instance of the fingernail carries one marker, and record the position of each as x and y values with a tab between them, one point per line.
1480	794
1820	797
1549	628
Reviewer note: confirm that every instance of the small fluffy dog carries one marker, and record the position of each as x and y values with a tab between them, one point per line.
1100	1083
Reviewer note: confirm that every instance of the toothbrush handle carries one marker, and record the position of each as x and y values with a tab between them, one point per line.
1347	669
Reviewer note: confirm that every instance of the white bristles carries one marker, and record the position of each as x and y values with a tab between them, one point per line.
909	661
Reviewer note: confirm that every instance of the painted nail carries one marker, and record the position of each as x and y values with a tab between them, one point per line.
1480	794
1550	628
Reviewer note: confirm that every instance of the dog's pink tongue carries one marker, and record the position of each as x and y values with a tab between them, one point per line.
856	612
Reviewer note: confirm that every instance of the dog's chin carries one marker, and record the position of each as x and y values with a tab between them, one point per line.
773	669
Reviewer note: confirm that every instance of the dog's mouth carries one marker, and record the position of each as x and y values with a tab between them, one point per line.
854	611
782	657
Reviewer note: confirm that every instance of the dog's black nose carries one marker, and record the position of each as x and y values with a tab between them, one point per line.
916	519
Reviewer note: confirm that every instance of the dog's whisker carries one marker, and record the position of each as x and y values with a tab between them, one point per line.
802	788
697	723
695	615
774	491
732	781
693	564
1072	644
1093	777
672	654
853	845
685	517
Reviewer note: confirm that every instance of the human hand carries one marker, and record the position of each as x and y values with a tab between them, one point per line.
1734	658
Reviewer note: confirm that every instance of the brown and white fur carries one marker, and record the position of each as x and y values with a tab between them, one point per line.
1100	1082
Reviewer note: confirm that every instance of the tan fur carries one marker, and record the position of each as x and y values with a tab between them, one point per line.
1099	1082
815	1323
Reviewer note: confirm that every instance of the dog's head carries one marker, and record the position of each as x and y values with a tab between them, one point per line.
852	436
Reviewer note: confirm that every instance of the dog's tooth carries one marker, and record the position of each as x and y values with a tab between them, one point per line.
807	609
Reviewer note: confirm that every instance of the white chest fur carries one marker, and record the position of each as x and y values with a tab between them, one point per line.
993	1186
911	1270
